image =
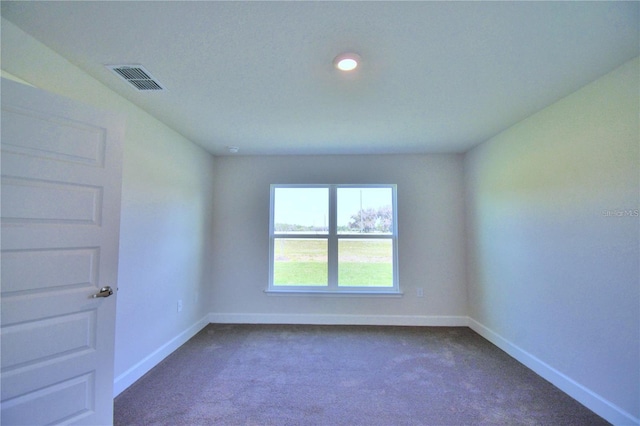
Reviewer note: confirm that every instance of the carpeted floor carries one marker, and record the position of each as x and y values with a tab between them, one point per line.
344	375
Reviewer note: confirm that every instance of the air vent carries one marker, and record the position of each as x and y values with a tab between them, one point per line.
137	76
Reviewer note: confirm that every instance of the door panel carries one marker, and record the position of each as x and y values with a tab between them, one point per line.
67	400
52	137
60	214
37	201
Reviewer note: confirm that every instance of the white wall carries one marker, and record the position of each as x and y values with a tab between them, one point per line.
166	213
431	239
551	277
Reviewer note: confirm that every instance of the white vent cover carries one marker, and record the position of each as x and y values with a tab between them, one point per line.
137	76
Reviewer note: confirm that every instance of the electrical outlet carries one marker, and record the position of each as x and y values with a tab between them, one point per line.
180	305
419	292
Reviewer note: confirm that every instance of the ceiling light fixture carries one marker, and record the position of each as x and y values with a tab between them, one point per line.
346	61
233	149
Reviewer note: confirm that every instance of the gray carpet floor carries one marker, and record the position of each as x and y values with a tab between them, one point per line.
344	375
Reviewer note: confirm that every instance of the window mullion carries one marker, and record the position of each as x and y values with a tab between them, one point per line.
333	238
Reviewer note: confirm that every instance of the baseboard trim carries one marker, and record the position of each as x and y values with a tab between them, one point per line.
586	397
129	377
409	320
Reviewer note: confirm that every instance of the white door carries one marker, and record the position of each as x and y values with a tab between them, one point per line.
60	215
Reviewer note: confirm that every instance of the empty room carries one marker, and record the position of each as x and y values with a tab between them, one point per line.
320	213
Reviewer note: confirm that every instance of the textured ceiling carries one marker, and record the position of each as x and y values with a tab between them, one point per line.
435	76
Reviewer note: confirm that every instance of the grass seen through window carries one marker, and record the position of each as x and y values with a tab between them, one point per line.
361	263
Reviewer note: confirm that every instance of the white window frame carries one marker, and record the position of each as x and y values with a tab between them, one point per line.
333	238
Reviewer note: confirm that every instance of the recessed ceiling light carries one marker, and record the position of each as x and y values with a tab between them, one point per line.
233	149
346	61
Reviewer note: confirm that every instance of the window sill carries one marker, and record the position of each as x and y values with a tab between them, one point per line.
330	293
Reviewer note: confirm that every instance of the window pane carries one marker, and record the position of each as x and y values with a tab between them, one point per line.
365	211
300	262
365	262
301	210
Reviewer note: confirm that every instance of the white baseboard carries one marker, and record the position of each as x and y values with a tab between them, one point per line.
129	377
328	319
586	397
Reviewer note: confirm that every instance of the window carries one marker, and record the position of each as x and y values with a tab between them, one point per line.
333	239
